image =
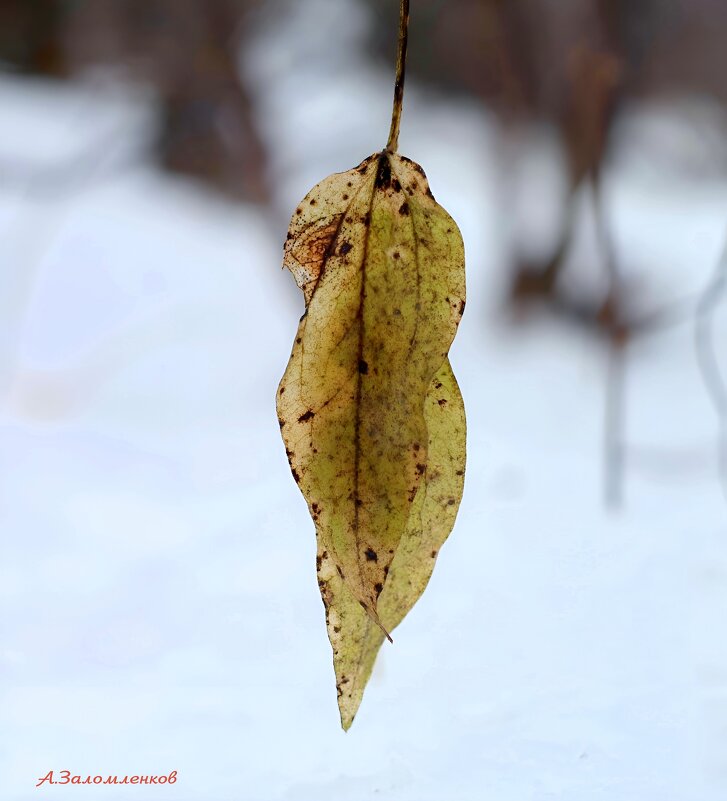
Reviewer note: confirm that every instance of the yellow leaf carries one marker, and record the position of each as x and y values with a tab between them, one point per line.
381	265
355	639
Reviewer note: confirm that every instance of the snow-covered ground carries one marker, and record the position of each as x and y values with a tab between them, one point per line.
159	603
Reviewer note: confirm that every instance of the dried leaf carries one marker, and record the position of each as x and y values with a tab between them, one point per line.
354	637
381	265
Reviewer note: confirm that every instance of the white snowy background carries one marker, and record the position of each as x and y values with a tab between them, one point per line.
159	602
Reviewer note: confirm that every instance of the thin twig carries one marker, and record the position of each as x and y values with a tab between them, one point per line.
393	143
707	360
613	435
604	236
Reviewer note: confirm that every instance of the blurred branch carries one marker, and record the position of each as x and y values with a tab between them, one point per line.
188	50
614	448
707	359
75	174
618	335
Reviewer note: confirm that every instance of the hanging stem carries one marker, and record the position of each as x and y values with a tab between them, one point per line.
393	143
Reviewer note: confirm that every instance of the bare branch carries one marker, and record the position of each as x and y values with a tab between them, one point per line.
704	340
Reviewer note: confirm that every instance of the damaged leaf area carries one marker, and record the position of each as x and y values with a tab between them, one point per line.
370	412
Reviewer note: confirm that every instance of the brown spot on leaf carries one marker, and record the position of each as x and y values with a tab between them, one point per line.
310	250
404	209
371	555
383	176
363	367
309	415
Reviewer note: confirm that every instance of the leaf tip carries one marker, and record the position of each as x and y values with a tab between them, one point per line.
348	706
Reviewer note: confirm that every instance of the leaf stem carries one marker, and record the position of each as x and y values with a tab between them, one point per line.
393	143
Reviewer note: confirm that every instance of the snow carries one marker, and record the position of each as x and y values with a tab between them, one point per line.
159	604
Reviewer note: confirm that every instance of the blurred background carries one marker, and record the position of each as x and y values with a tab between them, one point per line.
159	602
